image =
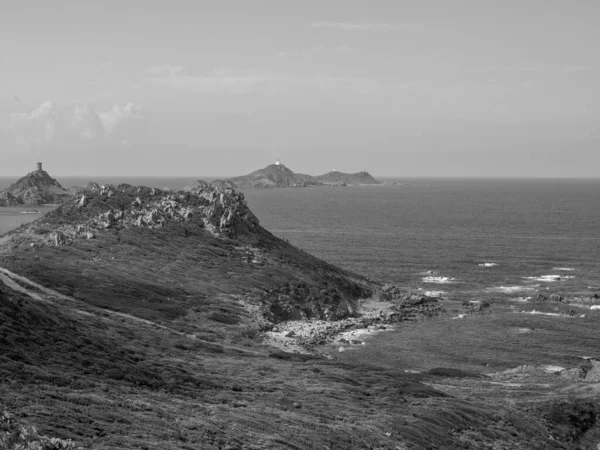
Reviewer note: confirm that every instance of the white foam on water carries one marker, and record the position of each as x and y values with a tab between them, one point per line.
438	280
595	307
551	369
488	264
549	278
563	268
540	313
433	293
511	289
520	299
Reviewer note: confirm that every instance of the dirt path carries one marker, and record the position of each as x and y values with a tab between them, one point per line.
15	282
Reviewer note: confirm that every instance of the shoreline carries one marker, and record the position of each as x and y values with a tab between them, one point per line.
374	316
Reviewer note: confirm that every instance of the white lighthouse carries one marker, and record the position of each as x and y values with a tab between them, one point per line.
277	163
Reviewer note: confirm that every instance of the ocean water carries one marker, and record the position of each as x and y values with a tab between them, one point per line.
471	238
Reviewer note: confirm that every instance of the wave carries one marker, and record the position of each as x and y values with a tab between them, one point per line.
562	268
433	293
549	278
438	280
488	264
511	289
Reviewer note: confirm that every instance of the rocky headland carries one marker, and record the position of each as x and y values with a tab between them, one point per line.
35	188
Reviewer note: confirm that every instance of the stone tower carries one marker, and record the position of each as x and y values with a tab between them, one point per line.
39	166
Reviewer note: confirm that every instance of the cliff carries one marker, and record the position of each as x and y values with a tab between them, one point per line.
35	188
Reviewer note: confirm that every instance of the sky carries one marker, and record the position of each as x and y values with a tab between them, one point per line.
222	88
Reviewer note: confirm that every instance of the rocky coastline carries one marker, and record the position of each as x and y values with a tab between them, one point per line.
390	305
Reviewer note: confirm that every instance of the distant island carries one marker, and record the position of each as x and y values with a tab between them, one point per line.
278	175
35	188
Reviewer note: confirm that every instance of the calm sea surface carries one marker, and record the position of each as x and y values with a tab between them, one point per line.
468	238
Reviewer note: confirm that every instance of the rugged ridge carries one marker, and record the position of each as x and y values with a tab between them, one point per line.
142	243
35	188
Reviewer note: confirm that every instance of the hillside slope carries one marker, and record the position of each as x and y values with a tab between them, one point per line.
159	254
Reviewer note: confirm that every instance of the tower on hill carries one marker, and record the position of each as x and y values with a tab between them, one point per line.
277	163
39	166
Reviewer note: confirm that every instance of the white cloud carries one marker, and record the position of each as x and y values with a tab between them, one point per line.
319	49
106	63
86	123
233	81
535	68
167	70
363	26
119	115
49	125
36	128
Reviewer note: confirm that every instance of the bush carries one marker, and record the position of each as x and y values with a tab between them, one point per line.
16	436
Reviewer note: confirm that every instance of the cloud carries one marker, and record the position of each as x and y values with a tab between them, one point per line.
239	82
36	128
535	68
106	64
363	26
167	70
48	125
86	123
319	49
118	116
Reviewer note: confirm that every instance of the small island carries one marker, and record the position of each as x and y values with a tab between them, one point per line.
35	188
278	175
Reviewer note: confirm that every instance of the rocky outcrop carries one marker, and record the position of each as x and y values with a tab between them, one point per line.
8	199
36	188
222	212
541	298
593	375
392	292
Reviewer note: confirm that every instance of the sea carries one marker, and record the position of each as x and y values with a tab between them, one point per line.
457	238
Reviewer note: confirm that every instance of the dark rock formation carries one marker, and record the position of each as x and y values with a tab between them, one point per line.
540	298
35	188
593	375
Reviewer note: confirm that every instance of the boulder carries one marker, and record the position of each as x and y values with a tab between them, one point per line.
577	373
83	201
58	238
593	374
